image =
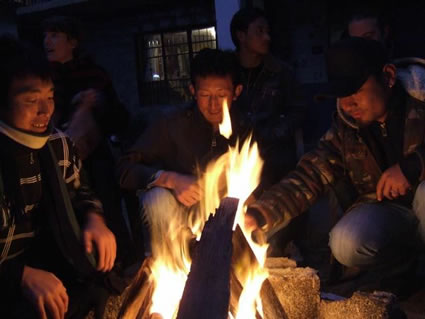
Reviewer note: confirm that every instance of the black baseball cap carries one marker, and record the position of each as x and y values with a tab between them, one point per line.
349	64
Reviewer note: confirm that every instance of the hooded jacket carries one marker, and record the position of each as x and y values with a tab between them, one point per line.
342	153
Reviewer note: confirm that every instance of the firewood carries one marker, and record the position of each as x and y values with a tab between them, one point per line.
137	299
207	290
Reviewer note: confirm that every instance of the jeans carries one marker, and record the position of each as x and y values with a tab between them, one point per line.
169	223
378	233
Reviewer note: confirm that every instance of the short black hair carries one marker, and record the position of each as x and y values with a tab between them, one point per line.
19	61
241	21
215	62
69	25
360	11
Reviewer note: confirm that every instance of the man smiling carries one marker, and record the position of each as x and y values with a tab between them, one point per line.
164	160
43	265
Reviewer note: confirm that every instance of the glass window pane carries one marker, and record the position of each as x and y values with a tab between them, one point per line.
178	66
154	70
174	38
153	45
176	43
203	38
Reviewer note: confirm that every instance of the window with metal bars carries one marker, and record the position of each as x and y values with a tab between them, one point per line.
165	58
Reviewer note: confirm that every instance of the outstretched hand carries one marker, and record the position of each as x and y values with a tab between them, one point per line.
46	292
185	187
97	232
392	184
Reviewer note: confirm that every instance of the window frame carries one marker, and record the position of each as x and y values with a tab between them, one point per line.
141	54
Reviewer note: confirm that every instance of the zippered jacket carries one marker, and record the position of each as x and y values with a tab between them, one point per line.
273	105
343	154
62	197
181	141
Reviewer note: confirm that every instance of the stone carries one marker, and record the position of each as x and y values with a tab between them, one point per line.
298	291
376	305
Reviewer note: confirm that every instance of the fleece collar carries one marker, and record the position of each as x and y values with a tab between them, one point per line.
31	140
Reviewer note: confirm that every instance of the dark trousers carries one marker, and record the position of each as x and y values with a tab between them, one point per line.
84	293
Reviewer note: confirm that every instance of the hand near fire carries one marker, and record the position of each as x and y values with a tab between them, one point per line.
392	184
185	187
96	231
46	292
250	223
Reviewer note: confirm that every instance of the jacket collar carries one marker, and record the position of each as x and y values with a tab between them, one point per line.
30	140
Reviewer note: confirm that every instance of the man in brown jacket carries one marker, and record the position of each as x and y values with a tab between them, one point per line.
376	142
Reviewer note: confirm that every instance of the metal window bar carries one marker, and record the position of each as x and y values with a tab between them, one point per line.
169	85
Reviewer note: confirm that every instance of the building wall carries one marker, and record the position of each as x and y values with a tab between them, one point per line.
112	43
7	21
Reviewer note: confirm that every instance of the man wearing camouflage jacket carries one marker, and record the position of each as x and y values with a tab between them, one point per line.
376	142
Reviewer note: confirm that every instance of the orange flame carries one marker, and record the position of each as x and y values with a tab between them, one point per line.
235	174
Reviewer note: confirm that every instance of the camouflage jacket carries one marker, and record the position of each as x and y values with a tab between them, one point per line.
341	153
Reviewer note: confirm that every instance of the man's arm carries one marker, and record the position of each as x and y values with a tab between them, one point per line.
96	232
185	187
296	192
138	167
87	207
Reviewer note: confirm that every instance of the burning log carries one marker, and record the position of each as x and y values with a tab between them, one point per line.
272	308
137	299
207	291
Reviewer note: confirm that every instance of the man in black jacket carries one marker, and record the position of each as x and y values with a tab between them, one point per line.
46	265
164	160
271	101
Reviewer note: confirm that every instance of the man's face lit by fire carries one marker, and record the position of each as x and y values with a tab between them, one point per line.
369	103
31	104
210	93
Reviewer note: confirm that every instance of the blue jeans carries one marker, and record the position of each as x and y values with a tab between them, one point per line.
378	233
169	222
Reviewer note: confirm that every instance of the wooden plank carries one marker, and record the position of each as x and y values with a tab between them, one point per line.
207	291
138	297
244	257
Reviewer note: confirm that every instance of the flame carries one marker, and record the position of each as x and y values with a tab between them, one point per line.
170	252
225	127
253	276
235	174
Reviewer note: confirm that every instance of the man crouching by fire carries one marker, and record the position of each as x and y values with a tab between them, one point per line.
377	144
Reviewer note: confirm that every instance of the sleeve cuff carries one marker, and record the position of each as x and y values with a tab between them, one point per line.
154	178
256	214
411	168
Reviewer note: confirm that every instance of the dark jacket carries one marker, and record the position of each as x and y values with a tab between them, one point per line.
180	141
273	104
62	187
342	153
